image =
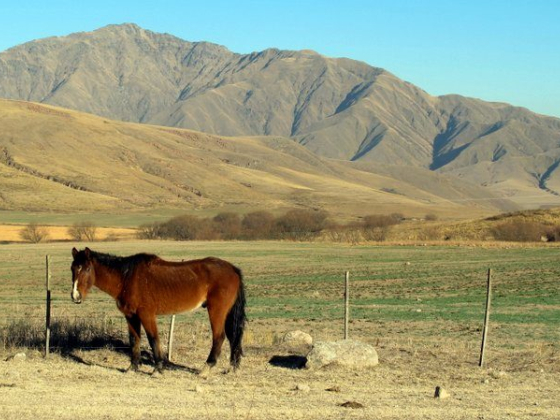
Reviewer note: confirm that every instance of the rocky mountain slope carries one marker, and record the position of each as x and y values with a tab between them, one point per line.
337	108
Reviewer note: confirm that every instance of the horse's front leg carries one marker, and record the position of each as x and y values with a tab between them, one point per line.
150	326
134	334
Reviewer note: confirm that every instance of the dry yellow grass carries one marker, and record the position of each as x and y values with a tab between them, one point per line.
12	233
64	161
90	383
418	350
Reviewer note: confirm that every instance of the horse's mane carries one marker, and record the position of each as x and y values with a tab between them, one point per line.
123	265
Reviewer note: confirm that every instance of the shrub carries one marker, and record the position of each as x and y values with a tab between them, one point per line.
258	225
375	227
66	334
301	224
181	228
83	231
149	231
431	217
34	233
519	231
553	234
227	225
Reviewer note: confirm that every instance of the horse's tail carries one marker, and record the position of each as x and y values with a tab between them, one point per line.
235	323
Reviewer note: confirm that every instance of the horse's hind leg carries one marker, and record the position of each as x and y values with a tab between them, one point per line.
150	326
217	321
134	334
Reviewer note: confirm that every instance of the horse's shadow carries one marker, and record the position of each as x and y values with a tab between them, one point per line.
145	359
74	342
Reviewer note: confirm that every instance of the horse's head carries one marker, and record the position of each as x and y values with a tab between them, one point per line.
83	274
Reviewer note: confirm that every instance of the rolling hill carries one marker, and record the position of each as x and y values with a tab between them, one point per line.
58	160
335	107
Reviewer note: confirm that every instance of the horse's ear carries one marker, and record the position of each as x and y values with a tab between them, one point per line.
74	252
88	253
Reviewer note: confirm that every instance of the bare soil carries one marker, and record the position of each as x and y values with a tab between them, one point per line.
514	384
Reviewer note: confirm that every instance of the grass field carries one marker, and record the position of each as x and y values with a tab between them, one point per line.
421	306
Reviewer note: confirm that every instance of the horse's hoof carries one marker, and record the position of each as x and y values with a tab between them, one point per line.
132	368
205	372
156	373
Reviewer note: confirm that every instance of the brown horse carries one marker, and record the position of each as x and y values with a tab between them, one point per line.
145	286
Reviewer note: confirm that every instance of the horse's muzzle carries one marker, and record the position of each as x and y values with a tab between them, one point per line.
76	299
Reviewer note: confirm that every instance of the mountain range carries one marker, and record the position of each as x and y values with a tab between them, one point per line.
342	111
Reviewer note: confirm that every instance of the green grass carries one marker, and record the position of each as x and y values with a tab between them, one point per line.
129	219
441	286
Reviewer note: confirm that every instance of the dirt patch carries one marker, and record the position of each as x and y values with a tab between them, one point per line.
92	384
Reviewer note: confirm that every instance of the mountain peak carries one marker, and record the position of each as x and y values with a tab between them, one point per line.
337	108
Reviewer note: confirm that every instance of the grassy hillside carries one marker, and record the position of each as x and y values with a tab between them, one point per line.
54	160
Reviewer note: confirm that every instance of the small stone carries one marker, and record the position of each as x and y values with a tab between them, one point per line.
441	393
198	389
18	357
351	404
498	375
302	388
335	388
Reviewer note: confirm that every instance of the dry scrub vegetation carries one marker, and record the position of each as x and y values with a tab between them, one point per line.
308	225
421	307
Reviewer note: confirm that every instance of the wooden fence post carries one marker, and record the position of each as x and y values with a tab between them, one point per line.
486	316
48	311
346	303
170	342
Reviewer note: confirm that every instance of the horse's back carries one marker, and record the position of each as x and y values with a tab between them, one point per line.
186	285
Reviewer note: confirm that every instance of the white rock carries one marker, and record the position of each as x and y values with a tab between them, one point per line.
348	353
297	340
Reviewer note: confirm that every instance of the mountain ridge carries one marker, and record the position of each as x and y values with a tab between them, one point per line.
336	107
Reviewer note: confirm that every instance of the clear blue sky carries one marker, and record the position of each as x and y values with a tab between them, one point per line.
496	50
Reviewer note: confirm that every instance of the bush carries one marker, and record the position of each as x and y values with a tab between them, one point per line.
375	227
553	234
181	228
519	231
301	224
34	233
431	217
149	231
227	225
296	224
258	225
83	231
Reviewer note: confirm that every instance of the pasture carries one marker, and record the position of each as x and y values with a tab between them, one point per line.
422	307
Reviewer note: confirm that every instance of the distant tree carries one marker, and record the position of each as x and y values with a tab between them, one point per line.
301	224
149	231
181	228
258	225
34	233
83	231
227	225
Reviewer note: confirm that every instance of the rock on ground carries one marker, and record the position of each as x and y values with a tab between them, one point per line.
297	340
348	353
